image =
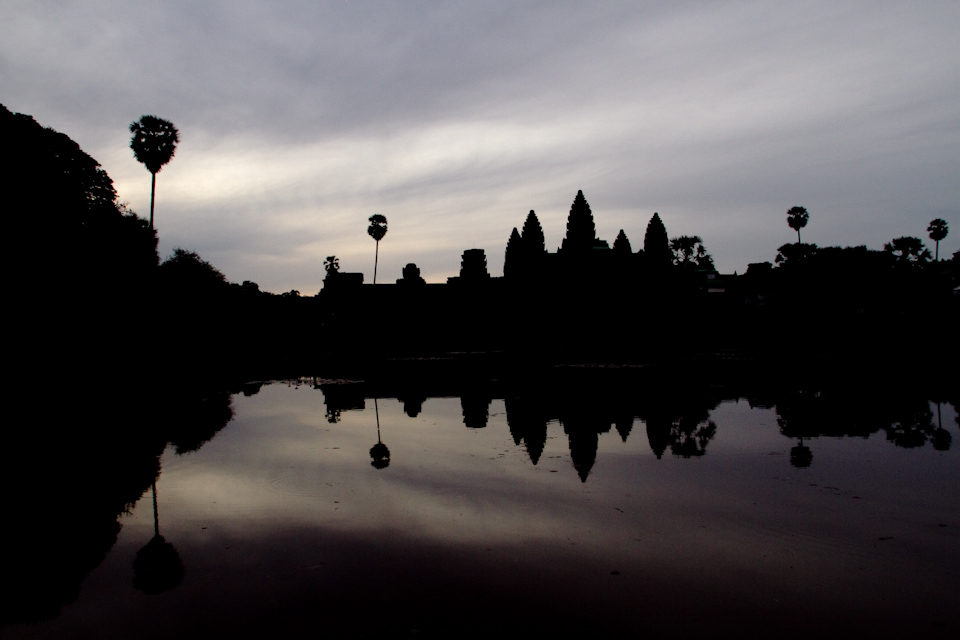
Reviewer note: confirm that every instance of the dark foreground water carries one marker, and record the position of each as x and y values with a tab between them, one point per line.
492	515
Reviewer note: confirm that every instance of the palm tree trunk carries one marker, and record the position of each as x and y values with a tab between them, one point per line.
153	191
156	514
376	259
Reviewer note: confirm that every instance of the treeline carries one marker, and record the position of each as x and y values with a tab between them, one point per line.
91	295
88	295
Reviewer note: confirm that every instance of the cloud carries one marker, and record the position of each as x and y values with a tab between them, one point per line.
300	120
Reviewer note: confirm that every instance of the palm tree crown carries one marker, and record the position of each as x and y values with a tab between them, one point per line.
154	142
378	227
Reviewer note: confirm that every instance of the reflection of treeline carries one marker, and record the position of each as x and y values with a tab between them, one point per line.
104	373
904	416
672	404
84	457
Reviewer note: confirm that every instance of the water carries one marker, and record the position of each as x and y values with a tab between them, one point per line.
283	525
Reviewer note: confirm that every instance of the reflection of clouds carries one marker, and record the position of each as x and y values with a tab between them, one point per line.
443	481
281	464
290	503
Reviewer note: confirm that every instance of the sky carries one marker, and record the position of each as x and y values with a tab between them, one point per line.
298	120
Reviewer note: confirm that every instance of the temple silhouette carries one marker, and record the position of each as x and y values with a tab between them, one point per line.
594	301
572	301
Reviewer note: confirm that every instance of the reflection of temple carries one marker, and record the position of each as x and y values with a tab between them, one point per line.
676	418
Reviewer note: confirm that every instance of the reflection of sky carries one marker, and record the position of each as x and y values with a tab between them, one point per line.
282	514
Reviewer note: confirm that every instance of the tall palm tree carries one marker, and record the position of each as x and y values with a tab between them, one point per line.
377	229
797	219
938	231
154	142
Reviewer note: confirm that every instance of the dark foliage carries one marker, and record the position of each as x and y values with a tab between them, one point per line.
689	253
795	253
908	250
75	249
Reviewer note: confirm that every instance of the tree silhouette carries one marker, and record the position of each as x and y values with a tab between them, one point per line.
938	231
908	250
377	229
797	219
689	252
331	265
154	142
188	273
794	254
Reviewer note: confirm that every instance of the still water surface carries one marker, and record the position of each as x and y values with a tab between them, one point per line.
493	515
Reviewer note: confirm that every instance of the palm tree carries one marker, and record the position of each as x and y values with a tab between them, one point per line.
154	142
331	265
689	252
908	250
797	219
938	231
377	229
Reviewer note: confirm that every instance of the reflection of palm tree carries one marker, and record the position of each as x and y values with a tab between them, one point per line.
154	143
157	566
690	434
940	438
377	229
800	456
912	425
379	453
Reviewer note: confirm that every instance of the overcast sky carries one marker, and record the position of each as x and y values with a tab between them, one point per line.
298	120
